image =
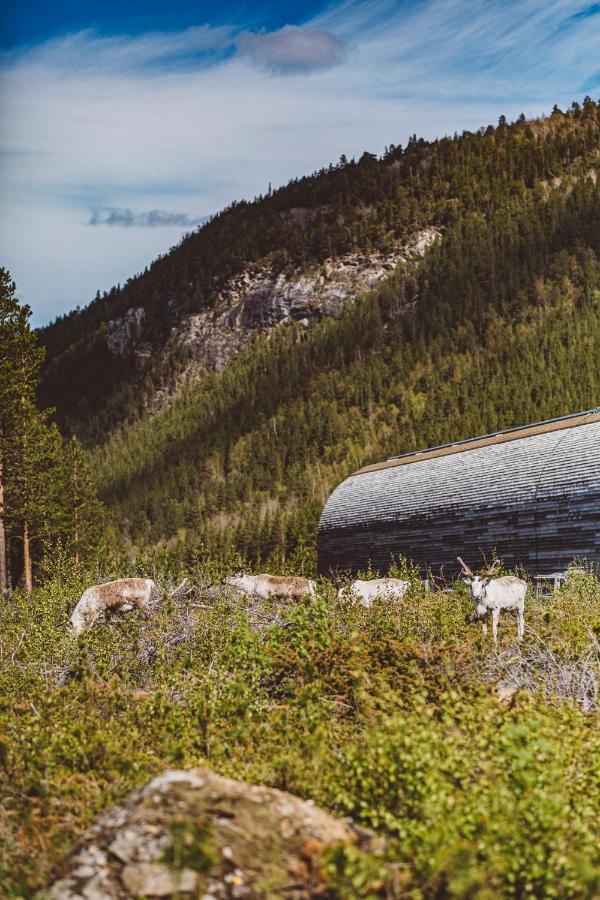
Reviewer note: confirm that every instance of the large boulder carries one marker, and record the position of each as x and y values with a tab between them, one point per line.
194	833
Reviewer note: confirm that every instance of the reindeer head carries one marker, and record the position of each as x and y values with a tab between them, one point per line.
234	579
477	583
76	624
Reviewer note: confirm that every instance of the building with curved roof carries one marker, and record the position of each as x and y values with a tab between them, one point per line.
531	495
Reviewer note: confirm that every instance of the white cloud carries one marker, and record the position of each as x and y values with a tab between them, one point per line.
292	49
181	122
85	51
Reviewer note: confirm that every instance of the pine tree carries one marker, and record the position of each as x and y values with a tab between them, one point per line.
47	491
35	496
20	360
85	516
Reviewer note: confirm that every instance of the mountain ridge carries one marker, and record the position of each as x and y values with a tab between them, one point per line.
363	207
498	324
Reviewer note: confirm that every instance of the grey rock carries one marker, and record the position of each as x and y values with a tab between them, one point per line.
260	299
157	880
124	333
233	840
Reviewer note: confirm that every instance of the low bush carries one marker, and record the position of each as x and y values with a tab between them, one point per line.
389	715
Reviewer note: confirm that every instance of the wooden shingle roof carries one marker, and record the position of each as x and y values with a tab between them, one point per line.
487	440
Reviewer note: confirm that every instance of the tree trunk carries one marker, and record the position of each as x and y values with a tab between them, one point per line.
9	567
27	576
3	565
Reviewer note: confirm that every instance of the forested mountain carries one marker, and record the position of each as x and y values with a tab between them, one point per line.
498	325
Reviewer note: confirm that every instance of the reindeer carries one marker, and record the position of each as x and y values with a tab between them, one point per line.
290	587
123	594
366	591
494	594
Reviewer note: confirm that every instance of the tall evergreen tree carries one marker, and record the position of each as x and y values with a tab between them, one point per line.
47	491
85	519
37	503
20	360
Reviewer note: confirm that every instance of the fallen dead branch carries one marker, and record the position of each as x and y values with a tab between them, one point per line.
535	666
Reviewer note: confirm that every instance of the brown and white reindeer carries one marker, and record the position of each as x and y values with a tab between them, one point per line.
491	595
291	587
123	594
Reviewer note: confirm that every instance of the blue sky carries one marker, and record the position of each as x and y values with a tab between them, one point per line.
124	124
37	20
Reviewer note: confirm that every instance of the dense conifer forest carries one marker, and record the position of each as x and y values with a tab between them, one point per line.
496	175
499	326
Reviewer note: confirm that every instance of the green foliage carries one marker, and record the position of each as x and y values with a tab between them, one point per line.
386	714
190	846
85	523
21	427
354	874
458	800
454	183
20	356
499	325
47	490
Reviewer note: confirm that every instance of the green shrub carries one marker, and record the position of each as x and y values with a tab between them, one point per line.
388	715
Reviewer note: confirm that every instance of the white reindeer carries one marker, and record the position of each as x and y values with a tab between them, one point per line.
292	587
494	594
367	591
123	594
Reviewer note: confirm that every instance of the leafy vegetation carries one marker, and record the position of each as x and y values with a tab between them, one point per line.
499	326
388	715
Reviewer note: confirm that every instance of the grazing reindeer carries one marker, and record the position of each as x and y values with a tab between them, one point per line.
292	587
366	591
123	594
493	595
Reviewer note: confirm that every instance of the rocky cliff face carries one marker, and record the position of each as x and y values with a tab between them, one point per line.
260	298
257	299
125	332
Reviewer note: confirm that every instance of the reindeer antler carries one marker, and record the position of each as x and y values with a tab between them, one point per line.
491	568
466	569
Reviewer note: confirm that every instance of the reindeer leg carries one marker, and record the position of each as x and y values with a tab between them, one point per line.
520	624
495	617
145	610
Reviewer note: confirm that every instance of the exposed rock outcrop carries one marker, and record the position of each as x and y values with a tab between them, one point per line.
260	298
195	833
124	334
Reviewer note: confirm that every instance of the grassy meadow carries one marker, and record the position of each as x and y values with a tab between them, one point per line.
390	715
